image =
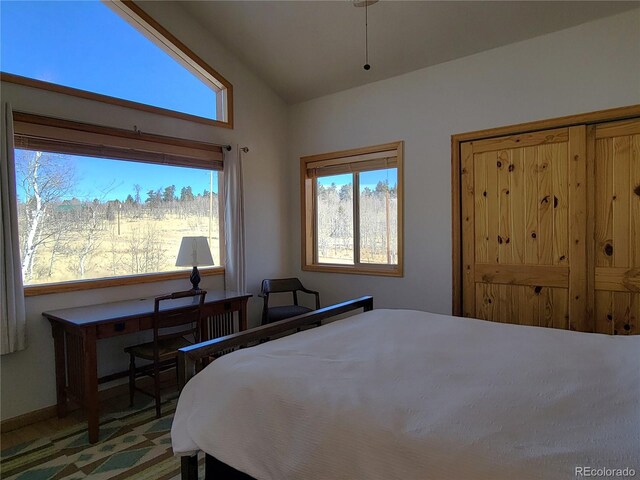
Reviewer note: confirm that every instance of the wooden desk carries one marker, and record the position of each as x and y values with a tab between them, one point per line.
77	330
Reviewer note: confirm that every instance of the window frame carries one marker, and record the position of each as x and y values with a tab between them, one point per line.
147	26
340	160
65	136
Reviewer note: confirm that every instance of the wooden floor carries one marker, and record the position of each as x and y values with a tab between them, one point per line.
46	428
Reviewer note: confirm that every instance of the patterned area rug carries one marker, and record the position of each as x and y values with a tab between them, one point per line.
133	444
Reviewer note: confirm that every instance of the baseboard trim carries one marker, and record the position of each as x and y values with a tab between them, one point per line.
46	413
25	419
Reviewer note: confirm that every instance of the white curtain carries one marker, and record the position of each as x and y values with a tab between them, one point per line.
235	275
12	311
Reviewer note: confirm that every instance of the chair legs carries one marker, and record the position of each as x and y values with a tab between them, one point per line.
132	378
154	372
156	387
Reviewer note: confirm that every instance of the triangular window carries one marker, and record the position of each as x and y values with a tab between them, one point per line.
112	49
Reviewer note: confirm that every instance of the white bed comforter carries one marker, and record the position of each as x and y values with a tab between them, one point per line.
400	394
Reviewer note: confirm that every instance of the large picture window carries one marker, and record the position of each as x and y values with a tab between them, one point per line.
94	204
352	211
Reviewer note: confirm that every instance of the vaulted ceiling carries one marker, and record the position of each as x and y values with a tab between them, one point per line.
306	49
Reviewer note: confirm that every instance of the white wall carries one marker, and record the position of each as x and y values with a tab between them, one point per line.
590	67
28	381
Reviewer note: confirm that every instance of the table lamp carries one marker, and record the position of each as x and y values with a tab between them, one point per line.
194	252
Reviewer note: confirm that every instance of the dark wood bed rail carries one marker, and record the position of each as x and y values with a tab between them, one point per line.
192	358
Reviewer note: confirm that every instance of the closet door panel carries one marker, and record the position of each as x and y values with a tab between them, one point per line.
516	204
559	166
617	227
530	205
604	312
470	248
579	318
524	305
545	238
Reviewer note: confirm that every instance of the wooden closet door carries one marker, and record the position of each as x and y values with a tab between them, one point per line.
617	227
524	229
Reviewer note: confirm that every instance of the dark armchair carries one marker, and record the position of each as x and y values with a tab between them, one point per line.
284	285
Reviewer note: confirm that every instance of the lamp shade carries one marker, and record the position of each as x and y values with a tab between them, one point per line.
194	251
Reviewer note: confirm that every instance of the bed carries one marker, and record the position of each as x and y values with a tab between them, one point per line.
402	394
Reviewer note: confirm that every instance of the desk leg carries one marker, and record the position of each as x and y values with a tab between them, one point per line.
242	317
61	370
91	384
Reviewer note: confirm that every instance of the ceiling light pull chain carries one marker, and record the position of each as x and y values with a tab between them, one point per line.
366	36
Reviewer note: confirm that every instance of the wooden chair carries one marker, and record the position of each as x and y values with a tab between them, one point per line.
169	335
284	285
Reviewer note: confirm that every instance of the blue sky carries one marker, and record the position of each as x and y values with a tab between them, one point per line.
107	179
84	44
98	175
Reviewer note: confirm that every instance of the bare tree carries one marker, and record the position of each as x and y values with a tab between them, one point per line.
146	252
115	253
154	251
43	180
58	244
137	188
135	251
89	227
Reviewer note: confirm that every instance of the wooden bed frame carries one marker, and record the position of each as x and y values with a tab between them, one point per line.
194	358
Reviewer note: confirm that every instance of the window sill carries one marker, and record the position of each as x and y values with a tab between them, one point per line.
62	287
375	270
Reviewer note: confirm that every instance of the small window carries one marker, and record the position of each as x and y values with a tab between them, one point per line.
109	210
109	51
352	209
